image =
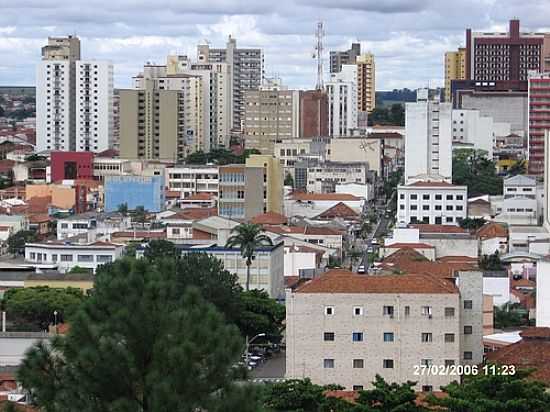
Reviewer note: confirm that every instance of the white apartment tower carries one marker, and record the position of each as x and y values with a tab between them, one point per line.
74	98
428	139
342	101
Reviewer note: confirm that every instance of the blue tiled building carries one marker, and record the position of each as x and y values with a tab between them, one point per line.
146	191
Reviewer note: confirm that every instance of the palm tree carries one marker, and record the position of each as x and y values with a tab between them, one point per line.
248	237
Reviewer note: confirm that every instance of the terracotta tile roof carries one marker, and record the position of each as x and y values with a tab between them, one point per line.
532	351
38	204
39	218
324	196
409	245
108	153
339	210
350	396
269	218
291	281
430	184
522	283
204	196
193	213
139	234
344	281
304	249
302	230
492	230
458	259
172	194
438	228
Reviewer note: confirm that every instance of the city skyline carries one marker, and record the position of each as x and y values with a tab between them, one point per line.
408	38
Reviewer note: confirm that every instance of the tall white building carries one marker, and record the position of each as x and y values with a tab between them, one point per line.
342	101
472	130
428	139
94	106
74	99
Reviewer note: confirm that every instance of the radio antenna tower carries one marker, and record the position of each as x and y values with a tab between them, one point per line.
318	54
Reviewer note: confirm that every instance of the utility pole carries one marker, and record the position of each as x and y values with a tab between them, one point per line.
318	54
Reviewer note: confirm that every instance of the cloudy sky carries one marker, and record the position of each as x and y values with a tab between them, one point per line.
408	37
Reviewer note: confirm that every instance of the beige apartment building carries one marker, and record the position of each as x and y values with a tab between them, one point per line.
366	83
344	328
273	182
455	69
241	191
270	114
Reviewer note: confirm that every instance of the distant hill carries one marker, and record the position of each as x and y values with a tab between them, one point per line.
17	90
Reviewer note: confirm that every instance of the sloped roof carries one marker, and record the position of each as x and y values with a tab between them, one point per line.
302	230
193	213
491	230
325	196
520	180
269	218
425	228
431	183
409	245
338	210
202	196
344	281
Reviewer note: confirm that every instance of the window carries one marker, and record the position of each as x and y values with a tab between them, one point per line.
449	337
85	258
358	364
425	207
449	207
449	197
459	207
328	363
426	311
357	310
467	329
425	197
449	362
427	388
401	207
468	355
426	362
459	197
328	336
357	387
413	197
407	310
438	197
329	310
388	336
387	363
357	336
64	225
414	207
175	231
426	337
467	304
54	258
66	258
388	311
437	207
449	312
401	196
104	258
449	219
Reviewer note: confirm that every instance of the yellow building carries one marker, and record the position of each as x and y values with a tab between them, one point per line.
366	85
62	196
455	69
273	181
82	281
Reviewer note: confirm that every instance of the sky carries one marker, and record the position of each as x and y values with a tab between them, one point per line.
408	37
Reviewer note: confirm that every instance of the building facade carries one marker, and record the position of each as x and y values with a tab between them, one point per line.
339	58
471	130
134	191
241	192
342	101
71	166
428	142
191	180
538	119
432	202
455	69
366	83
313	113
273	181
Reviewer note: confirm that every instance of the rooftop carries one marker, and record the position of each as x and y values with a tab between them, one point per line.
344	281
341	197
302	230
269	218
425	228
429	183
409	245
492	230
338	210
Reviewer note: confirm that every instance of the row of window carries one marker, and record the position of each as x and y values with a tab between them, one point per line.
436	207
425	337
69	258
329	363
389	310
436	197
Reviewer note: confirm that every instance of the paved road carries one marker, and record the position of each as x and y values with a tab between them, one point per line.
273	368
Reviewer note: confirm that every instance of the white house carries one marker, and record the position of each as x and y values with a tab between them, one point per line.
431	202
312	204
519	204
94	225
67	255
301	258
190	180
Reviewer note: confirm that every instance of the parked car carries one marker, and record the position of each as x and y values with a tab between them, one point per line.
361	269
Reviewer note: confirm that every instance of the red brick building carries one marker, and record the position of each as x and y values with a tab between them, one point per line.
313	113
72	166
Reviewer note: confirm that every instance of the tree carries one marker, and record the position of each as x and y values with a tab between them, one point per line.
495	392
123	208
139	343
472	168
260	314
491	262
248	237
389	397
16	242
510	315
159	249
295	395
289	181
36	305
140	215
472	223
354	255
518	168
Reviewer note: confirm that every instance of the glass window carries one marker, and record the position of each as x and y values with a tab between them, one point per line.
357	387
357	336
407	310
427	388
388	336
358	364
328	336
449	337
388	311
449	362
328	363
449	312
426	337
468	304
468	355
358	310
329	310
426	362
387	363
467	330
85	258
66	258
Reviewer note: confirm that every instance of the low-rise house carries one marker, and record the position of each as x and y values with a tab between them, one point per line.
310	205
345	328
302	260
206	200
519	204
312	234
423	248
269	218
266	271
137	236
40	223
14	223
493	237
65	255
180	225
340	211
94	225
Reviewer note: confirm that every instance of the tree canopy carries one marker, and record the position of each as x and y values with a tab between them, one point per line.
16	242
472	223
472	168
160	248
139	342
35	306
394	115
219	157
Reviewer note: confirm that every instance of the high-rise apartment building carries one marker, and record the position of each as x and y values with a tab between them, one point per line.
428	143
538	118
273	181
162	117
313	113
241	191
271	114
506	56
74	109
339	58
246	67
366	84
455	69
342	101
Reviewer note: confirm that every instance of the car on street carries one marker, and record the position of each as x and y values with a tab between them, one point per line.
361	269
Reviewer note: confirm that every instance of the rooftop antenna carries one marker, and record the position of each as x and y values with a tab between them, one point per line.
318	54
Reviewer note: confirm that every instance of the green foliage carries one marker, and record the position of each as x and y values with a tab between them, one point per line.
220	157
139	215
491	262
472	223
289	181
159	249
260	314
144	341
16	242
36	306
391	183
510	315
123	209
34	157
77	269
295	395
389	397
394	115
248	237
497	392
518	168
472	168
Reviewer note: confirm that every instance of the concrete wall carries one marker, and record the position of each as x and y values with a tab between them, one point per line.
14	345
543	293
470	285
498	288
